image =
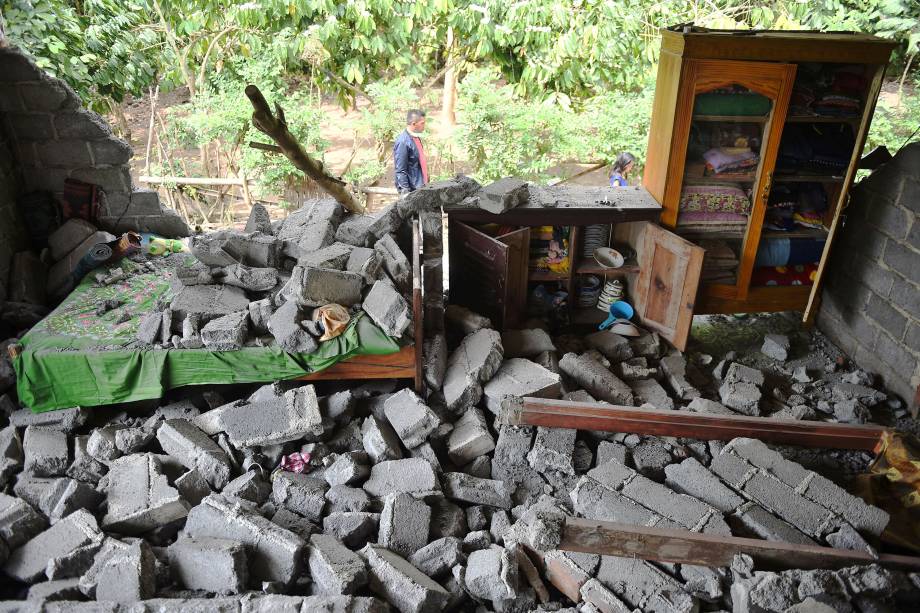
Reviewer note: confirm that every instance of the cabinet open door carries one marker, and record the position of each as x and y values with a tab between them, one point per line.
663	291
489	274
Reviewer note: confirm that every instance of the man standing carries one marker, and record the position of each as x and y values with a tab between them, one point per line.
409	155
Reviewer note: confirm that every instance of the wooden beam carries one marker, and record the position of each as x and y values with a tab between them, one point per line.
686	547
610	418
192	180
399	365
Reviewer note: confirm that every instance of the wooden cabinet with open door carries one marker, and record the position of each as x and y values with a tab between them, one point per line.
754	142
489	274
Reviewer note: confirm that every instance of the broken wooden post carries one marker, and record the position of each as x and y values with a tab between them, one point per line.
612	418
275	127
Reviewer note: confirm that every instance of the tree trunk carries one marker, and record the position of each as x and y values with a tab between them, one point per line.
275	127
449	99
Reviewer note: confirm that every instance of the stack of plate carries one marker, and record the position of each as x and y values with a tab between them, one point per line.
613	291
589	289
594	236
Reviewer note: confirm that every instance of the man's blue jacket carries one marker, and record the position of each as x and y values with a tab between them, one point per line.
408	168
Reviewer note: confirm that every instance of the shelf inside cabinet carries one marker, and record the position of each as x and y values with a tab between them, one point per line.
821	119
589	267
535	274
732	118
781	177
694	173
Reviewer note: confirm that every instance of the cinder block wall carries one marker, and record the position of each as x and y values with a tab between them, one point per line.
53	138
871	302
12	233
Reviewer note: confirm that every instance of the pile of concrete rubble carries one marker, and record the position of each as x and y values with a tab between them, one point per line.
260	285
431	504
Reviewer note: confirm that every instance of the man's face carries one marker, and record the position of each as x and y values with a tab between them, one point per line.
418	125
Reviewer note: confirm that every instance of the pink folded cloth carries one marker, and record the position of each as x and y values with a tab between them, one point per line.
296	462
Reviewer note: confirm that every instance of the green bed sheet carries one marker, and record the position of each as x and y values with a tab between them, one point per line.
74	357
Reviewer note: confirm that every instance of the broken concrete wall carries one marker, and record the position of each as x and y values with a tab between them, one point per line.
53	138
12	236
870	300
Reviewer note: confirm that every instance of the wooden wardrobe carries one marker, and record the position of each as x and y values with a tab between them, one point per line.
755	138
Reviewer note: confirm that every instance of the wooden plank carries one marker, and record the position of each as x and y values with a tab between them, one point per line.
635	204
418	330
685	547
192	180
657	156
518	260
761	299
779	46
702	426
399	365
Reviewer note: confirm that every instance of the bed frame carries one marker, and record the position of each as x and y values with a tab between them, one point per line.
407	363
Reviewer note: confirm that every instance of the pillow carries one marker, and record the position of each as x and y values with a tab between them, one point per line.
714	199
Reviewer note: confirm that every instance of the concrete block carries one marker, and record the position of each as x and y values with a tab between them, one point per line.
779	498
226	333
519	377
208	301
140	497
692	478
300	493
343	498
476	540
492	574
65	420
612	474
607	450
464	320
380	441
758	454
470	438
192	447
642	585
613	346
650	458
474	362
320	286
365	262
600	382
776	346
133	440
765	525
311	228
605	601
465	488
249	278
386	221
741	396
66	238
19	522
433	196
62	589
121	573
674	367
685	510
509	463
862	516
702	405
275	421
45	451
410	417
502	195
404	524
66	496
438	557
387	308
552	450
192	487
210	564
394	262
412	476
249	486
649	391
101	444
354	528
595	501
275	554
526	343
293	522
11	455
403	585
334	568
259	220
435	352
285	324
334	256
29	561
347	468
355	230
